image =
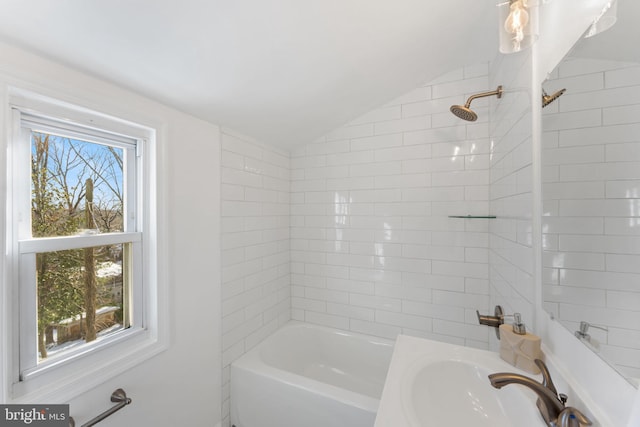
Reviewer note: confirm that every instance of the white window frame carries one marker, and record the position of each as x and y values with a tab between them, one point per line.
66	376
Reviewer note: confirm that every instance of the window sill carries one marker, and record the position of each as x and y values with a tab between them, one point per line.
59	384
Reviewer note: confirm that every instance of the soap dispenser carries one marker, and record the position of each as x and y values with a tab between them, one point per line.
518	347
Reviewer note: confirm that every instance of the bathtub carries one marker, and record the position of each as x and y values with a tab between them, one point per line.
310	376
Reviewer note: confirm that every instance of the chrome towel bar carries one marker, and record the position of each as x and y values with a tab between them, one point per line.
119	396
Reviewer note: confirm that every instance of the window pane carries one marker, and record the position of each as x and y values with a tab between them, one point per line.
63	170
72	284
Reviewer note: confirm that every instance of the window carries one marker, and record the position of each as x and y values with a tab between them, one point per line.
81	245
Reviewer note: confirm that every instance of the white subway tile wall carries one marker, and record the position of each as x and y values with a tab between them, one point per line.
511	268
373	249
591	197
255	247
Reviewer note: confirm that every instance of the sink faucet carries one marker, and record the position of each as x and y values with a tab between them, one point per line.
550	404
548	382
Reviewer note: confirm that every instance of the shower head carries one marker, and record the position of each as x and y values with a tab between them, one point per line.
465	112
548	99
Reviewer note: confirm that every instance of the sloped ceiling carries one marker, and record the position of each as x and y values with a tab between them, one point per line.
618	43
281	71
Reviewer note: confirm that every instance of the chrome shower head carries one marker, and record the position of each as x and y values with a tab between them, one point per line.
548	99
465	112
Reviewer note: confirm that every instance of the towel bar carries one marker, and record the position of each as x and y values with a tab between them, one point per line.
119	396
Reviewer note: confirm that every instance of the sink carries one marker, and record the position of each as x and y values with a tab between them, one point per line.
462	396
431	383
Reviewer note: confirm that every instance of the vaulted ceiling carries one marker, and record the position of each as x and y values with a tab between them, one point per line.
282	71
618	43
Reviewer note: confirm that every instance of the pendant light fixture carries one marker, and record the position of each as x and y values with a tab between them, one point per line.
518	21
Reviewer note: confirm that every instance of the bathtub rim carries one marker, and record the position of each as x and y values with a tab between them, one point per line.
252	362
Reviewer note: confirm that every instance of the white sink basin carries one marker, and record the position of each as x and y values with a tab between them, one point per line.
459	394
430	383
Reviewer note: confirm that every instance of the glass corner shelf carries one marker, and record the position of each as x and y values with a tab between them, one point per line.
473	216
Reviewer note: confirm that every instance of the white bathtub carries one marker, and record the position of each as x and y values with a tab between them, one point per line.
310	376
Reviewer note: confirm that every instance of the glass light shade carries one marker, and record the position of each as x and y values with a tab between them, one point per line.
518	24
605	20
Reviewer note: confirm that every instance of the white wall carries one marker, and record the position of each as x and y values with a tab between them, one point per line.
255	247
182	385
372	247
511	259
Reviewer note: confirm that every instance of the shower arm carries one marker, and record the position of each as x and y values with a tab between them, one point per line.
497	92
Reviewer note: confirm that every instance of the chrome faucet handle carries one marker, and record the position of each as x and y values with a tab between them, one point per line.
571	417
